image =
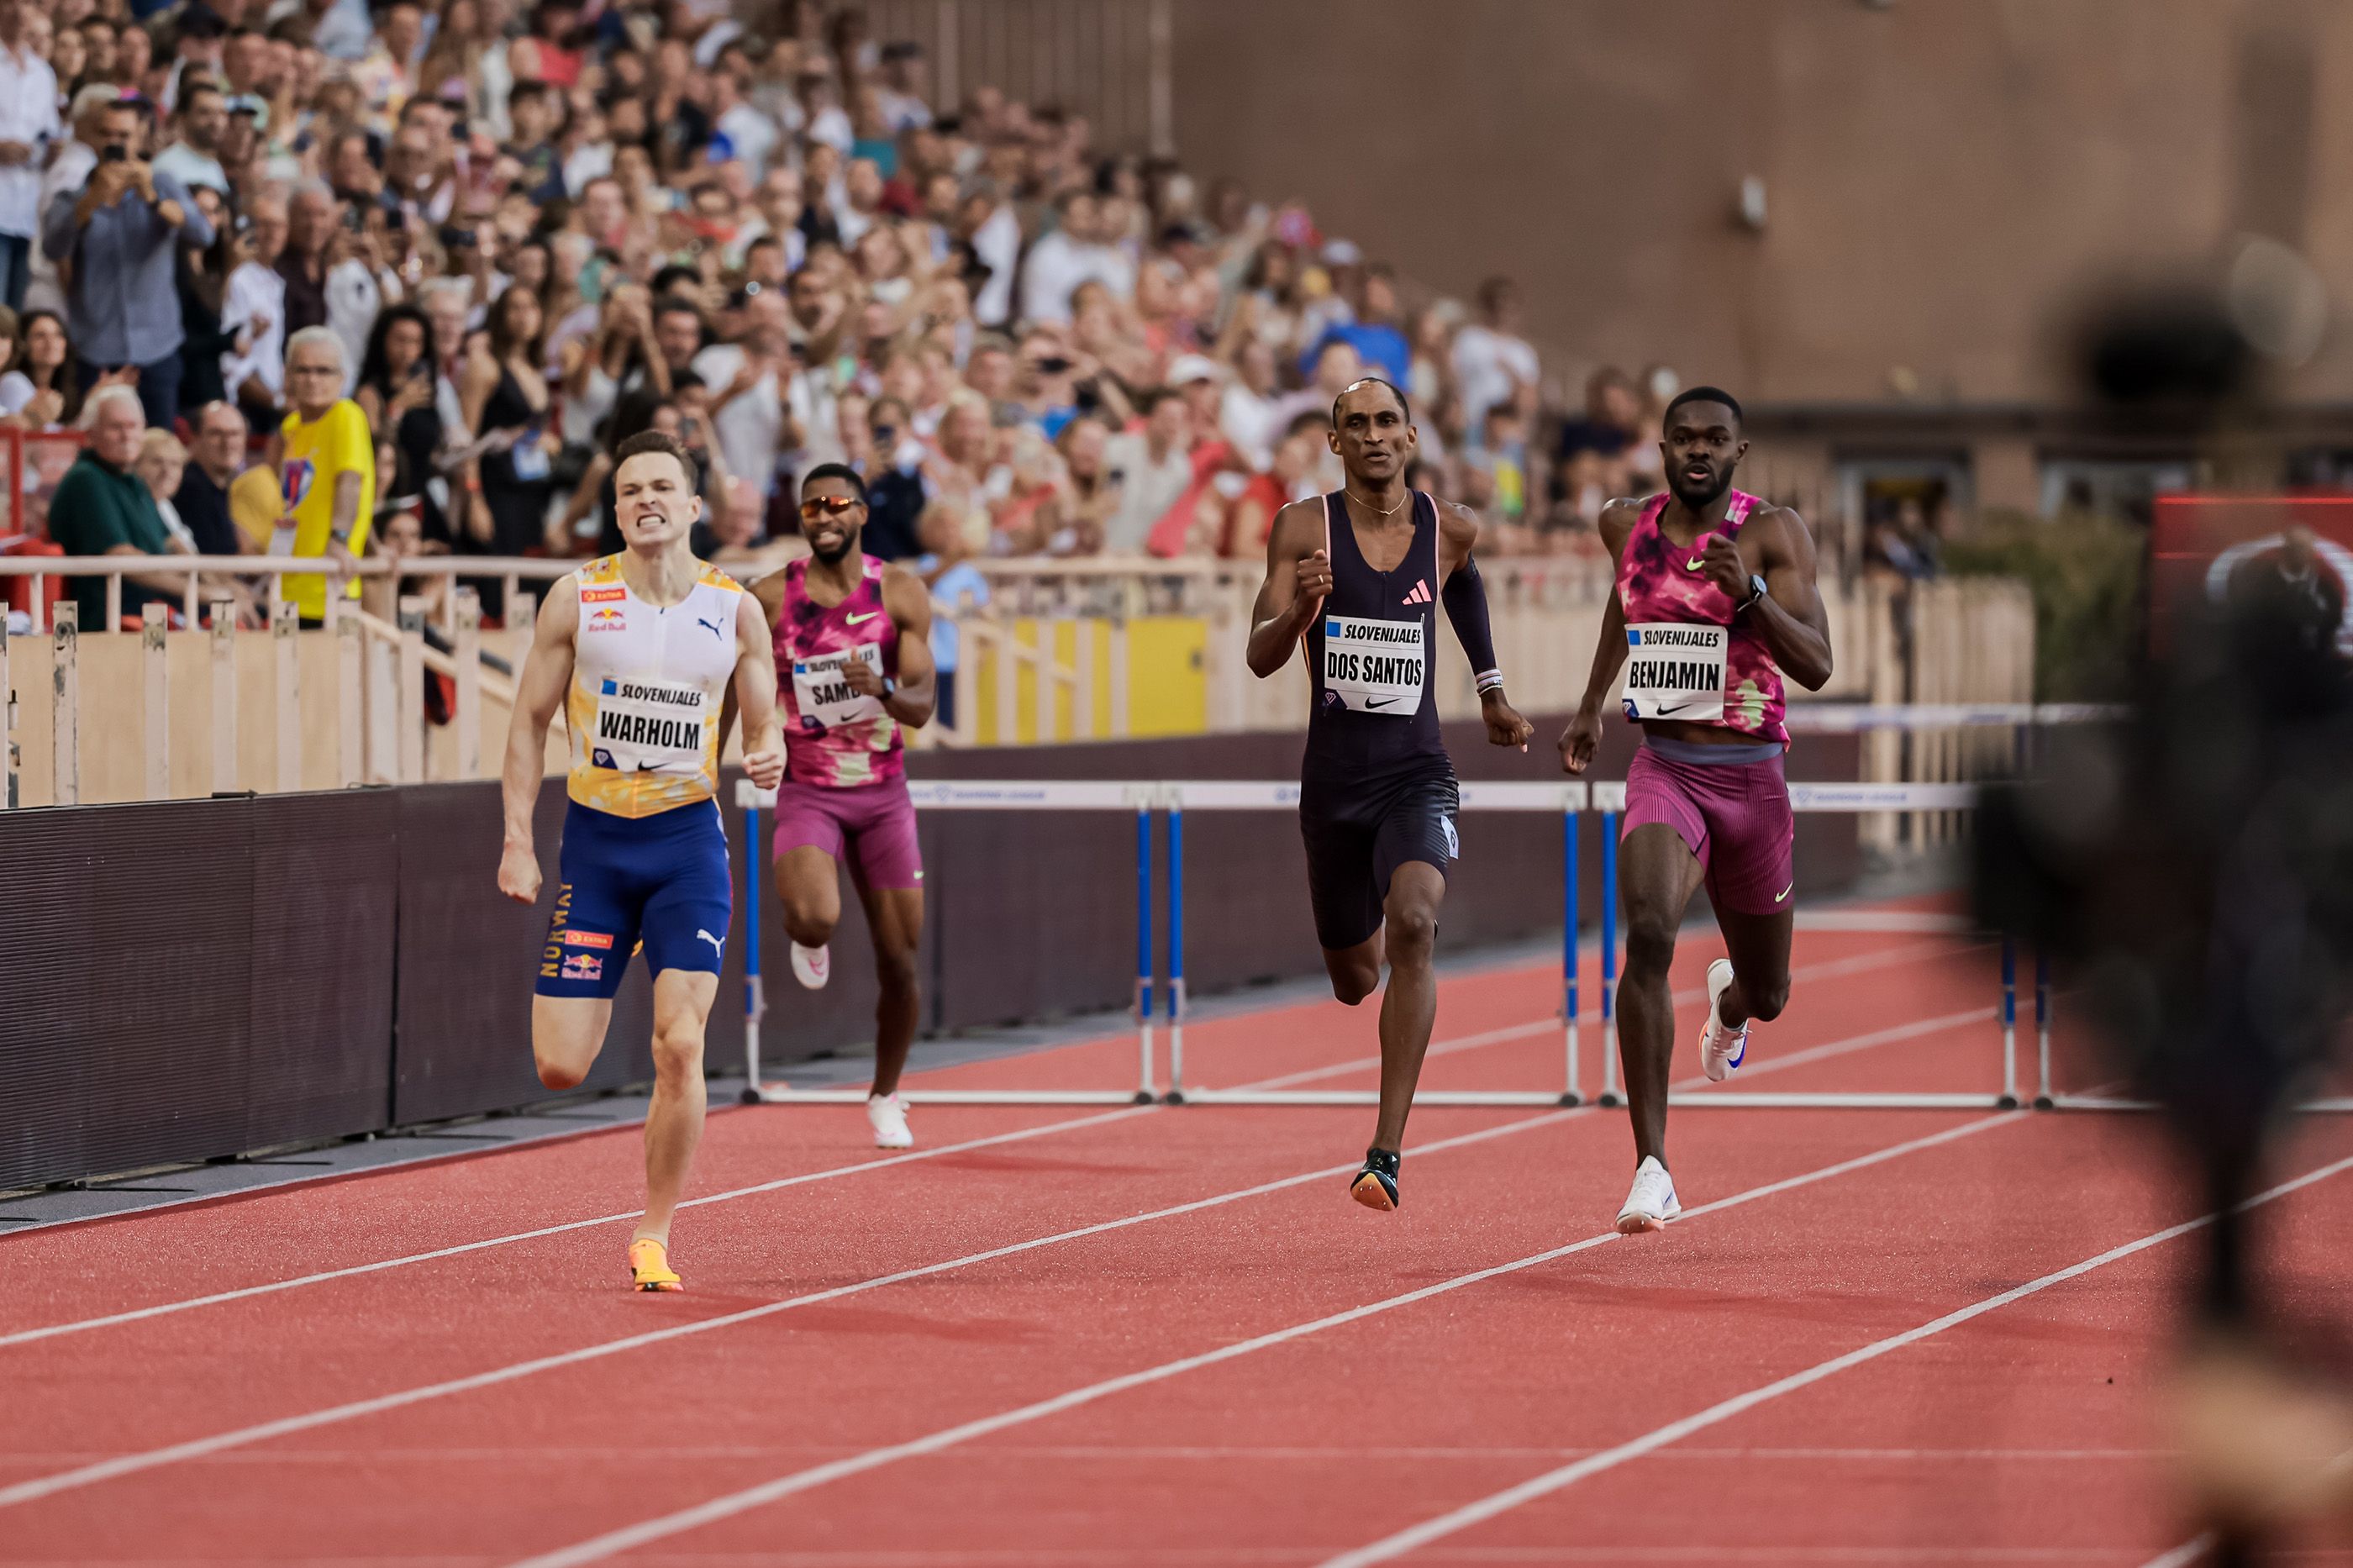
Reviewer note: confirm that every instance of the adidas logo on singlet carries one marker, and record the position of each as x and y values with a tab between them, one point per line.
1419	592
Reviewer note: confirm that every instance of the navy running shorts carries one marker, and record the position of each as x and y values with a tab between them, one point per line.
661	879
1359	832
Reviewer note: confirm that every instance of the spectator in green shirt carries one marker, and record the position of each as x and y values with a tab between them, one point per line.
102	507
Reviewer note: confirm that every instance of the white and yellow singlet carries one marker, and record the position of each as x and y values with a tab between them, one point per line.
646	684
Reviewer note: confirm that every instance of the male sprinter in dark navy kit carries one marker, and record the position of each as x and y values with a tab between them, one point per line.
1356	577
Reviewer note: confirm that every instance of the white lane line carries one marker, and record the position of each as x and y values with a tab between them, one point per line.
2183	1555
162	1309
202	1447
640	1453
1501	1503
733	1503
1441	1047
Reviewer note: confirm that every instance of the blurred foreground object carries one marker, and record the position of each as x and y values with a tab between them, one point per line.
2193	869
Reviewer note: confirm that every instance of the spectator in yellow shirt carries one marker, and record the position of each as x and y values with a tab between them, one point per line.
326	469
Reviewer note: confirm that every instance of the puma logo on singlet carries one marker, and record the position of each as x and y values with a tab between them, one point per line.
869	616
716	945
712	625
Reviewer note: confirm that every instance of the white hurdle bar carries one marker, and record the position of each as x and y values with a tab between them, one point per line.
1608	798
1571	801
954	795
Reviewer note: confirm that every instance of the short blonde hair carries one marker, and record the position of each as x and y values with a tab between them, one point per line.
161	443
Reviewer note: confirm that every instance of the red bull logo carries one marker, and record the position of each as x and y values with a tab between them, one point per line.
607	621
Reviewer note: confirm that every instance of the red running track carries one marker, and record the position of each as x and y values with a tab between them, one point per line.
1161	1337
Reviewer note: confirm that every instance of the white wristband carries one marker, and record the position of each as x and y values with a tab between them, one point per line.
1490	681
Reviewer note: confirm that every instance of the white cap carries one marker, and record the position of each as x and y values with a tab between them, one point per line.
1186	369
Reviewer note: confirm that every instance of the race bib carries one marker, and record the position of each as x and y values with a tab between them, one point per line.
820	692
642	727
1674	671
1374	667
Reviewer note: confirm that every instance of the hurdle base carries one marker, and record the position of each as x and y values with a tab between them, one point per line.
1571	1100
2044	1102
1363	1097
782	1094
1174	1097
1799	1102
1610	1100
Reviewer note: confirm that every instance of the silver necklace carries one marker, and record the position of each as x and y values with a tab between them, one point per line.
1368	506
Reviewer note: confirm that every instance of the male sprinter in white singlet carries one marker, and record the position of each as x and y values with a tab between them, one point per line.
640	647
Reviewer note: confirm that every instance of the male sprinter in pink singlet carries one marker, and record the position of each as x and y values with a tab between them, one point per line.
853	665
642	648
1714	601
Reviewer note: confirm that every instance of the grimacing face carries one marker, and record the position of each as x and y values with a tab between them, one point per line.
654	499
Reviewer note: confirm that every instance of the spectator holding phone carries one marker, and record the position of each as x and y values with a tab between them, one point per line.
253	315
119	230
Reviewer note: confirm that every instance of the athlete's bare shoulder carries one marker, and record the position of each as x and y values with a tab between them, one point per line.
1298	529
1458	533
1618	520
1783	533
770	593
903	594
1457	522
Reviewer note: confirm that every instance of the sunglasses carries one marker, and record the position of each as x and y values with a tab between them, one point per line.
828	506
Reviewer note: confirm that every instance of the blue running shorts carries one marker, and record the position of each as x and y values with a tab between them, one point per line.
661	879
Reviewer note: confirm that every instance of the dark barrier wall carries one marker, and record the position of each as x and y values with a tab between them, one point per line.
469	958
195	979
190	979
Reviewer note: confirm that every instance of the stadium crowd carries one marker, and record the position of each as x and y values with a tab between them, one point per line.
400	279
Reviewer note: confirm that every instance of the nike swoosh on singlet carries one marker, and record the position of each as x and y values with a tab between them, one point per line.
1383	702
1783	893
1669	713
1694	565
853	620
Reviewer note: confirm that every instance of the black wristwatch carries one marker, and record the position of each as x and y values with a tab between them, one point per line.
890	687
1755	591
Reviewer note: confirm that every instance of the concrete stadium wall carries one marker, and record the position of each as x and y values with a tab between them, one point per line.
1943	180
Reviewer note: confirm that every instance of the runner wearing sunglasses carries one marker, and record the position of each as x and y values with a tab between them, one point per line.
853	665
